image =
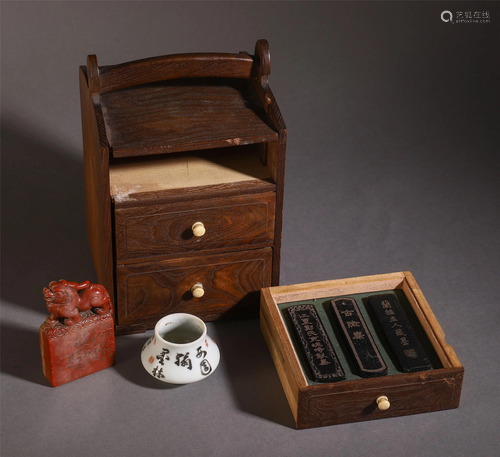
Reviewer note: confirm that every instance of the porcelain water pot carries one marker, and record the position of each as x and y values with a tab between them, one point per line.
180	351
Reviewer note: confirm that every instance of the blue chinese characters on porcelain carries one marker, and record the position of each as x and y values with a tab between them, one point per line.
180	351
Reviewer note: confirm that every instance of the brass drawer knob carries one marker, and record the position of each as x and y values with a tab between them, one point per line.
383	403
198	229
197	290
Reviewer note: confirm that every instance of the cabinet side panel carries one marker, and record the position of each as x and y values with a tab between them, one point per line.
96	167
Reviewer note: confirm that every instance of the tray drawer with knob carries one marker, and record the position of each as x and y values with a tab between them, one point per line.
178	228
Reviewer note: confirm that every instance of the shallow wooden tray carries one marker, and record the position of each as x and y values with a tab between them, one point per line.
355	399
184	115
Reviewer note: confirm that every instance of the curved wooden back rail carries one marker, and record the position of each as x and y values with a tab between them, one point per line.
196	65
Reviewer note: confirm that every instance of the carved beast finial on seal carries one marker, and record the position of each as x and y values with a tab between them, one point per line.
66	299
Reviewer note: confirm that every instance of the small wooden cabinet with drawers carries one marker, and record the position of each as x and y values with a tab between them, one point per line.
184	169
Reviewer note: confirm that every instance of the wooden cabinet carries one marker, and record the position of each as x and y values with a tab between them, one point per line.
184	169
356	399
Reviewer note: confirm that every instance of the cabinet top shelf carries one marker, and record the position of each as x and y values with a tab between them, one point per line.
184	115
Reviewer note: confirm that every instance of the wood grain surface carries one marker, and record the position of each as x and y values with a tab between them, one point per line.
173	174
218	113
355	400
183	115
176	66
148	291
96	170
229	222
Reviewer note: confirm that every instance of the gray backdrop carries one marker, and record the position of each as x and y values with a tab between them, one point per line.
392	164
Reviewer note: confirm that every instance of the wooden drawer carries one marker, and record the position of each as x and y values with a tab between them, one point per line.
166	229
148	291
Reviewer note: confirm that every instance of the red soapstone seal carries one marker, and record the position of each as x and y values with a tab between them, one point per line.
78	338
